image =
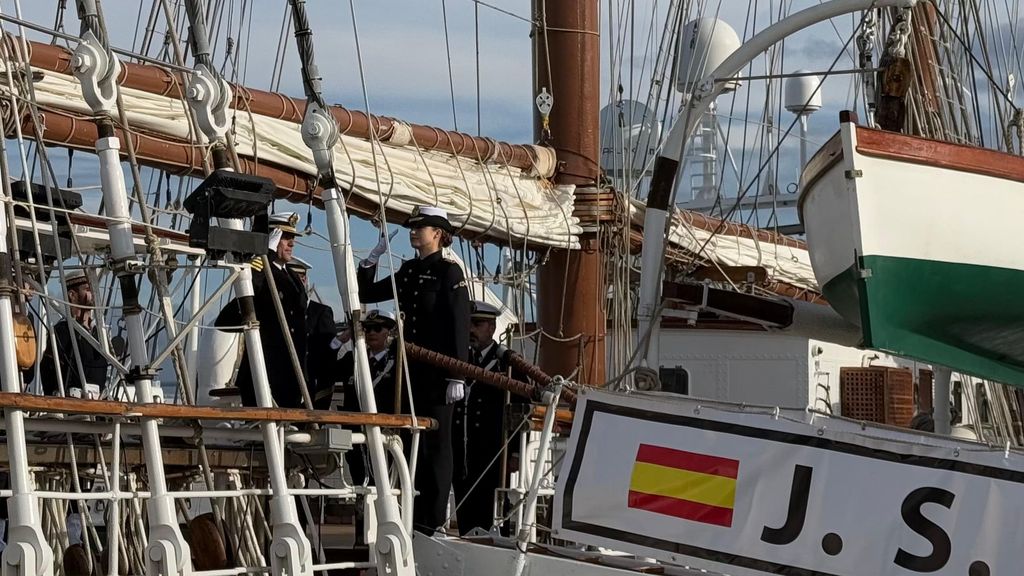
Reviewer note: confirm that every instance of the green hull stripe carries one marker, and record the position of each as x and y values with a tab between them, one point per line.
967	317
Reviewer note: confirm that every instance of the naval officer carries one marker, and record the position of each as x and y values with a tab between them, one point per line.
73	348
382	353
479	425
434	297
321	340
284	384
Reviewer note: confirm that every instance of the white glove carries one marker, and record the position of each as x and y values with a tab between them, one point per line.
456	390
379	249
274	239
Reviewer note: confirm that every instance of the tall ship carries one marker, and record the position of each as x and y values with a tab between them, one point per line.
716	288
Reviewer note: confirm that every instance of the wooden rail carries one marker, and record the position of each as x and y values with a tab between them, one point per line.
56	404
562	416
467	370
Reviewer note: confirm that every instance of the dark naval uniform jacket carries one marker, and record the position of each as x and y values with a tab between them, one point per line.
320	357
94	364
433	295
383	369
280	373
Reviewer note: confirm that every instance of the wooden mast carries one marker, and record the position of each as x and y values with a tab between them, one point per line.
571	285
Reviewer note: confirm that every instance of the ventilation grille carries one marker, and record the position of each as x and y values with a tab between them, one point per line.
877	394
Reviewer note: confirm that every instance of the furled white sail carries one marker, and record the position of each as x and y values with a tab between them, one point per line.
489	198
784	263
787	264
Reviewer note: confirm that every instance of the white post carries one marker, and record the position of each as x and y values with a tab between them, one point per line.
167	553
393	551
527	530
290	552
803	141
114	487
394	547
27	552
208	97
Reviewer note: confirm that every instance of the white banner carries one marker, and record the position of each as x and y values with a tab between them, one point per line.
752	491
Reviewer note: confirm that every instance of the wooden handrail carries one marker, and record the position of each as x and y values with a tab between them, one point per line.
562	416
63	405
501	381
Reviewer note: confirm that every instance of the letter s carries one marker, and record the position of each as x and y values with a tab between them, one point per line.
932	532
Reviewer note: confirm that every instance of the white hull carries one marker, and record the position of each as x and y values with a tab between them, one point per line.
908	210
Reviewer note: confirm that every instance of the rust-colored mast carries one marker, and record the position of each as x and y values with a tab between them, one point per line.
571	285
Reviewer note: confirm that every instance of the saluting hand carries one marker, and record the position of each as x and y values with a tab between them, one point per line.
380	248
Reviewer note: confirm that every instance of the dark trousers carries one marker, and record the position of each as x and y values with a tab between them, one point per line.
433	469
358	458
358	461
476	503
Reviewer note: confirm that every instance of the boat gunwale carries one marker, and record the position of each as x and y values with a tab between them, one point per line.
830	154
947	155
897	147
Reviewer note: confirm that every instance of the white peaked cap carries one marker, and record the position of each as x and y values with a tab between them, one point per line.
434	211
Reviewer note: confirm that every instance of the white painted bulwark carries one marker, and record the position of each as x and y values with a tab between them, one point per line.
970	218
752	490
871	206
763	368
825	212
879	210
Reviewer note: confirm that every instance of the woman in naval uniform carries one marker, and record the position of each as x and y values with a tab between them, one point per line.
433	296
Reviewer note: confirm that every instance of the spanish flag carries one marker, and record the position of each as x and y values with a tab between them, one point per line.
687	485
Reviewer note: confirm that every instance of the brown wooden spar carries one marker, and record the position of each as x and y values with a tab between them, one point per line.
63	405
478	374
562	416
69	130
157	80
177	156
571	288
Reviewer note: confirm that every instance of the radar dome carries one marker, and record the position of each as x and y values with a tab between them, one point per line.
630	135
704	44
803	94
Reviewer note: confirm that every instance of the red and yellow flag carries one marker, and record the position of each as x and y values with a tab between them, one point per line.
686	485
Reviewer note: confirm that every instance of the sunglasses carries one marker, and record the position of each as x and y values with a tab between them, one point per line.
375	328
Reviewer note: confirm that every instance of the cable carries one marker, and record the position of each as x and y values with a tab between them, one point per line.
448	53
